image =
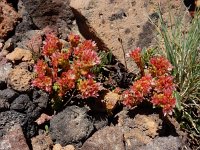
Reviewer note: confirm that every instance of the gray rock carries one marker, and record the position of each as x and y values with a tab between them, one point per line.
11	117
5	69
26	24
109	138
25	105
71	126
8	94
100	120
14	139
30	40
56	14
164	143
4	105
40	98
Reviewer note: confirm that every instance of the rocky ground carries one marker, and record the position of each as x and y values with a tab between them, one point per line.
115	25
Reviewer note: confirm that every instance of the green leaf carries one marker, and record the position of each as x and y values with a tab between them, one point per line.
178	100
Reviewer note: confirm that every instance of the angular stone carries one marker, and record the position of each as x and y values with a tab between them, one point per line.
56	14
4	105
9	119
72	125
14	139
108	138
8	94
40	98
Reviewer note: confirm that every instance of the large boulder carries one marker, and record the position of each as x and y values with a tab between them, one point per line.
120	25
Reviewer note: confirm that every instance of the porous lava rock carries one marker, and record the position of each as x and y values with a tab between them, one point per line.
19	79
8	19
71	126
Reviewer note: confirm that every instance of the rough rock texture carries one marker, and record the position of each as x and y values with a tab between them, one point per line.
8	18
8	94
8	46
109	138
19	54
19	79
14	139
55	14
138	130
5	69
11	117
31	40
72	125
163	143
118	25
59	147
4	105
100	119
42	142
40	99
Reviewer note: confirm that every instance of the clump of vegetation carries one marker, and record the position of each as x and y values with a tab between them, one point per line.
155	84
65	69
180	43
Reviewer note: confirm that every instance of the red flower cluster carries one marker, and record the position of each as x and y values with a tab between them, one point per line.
142	87
160	65
88	88
137	91
158	85
61	69
51	45
136	55
164	100
163	83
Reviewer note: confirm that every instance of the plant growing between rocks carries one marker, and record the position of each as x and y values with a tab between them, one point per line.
181	44
155	83
64	70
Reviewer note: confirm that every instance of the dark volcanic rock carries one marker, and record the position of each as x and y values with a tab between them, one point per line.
10	118
40	98
100	119
71	126
22	103
56	14
25	105
4	105
8	94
